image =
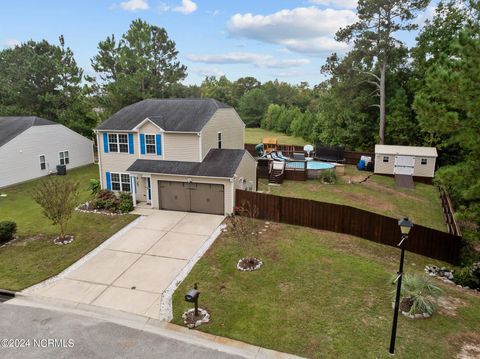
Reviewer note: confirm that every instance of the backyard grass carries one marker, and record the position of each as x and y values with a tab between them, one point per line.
378	194
256	135
323	295
35	258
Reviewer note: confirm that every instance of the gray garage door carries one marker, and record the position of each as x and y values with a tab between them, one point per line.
191	197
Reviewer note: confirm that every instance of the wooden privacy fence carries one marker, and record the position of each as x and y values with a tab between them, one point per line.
354	221
447	206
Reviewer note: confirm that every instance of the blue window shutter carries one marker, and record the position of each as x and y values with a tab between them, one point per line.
142	143
158	140
105	142
109	182
130	143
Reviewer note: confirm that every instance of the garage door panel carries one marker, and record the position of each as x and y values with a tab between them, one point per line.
207	198
174	196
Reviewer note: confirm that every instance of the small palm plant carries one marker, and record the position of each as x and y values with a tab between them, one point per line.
419	295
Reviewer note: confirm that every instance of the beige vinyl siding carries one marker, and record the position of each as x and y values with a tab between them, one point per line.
384	167
181	147
114	161
427	170
230	125
20	157
247	169
149	128
226	182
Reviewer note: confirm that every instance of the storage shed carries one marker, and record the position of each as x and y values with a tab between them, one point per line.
405	160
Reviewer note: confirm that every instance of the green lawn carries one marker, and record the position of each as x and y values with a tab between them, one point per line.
378	194
36	258
256	135
323	295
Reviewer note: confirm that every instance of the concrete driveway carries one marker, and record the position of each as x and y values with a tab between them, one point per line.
134	268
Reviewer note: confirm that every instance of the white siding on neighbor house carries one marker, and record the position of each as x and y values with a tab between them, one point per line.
420	170
182	147
20	157
230	125
228	187
247	170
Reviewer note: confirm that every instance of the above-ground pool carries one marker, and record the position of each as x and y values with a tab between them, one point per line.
311	165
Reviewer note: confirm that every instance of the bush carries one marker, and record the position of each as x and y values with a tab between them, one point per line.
328	176
468	276
126	202
94	186
421	293
7	231
106	200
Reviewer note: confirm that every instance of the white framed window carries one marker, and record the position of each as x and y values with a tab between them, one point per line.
118	142
423	161
64	158
219	139
386	158
150	144
120	182
43	163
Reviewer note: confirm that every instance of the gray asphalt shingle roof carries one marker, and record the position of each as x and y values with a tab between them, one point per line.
182	115
12	126
217	163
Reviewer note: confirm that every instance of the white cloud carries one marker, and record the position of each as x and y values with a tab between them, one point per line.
208	71
259	60
302	29
187	7
343	4
11	43
427	14
134	5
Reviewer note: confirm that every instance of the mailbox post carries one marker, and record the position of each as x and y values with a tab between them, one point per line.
192	297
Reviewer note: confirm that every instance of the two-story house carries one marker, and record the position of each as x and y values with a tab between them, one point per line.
176	154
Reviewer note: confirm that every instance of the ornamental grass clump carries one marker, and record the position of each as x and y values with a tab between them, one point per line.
419	294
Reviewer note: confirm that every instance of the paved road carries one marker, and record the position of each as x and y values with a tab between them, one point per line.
91	338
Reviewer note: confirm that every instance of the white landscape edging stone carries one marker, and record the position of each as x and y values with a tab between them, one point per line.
85	258
166	310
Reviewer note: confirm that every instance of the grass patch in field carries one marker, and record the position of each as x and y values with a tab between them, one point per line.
36	258
321	295
378	194
256	135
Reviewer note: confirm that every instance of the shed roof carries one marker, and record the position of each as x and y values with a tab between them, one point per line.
406	150
217	163
12	126
176	115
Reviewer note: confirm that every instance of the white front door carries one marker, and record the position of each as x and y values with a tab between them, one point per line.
148	188
404	165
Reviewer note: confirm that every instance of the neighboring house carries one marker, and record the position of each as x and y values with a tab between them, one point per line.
177	154
405	160
31	147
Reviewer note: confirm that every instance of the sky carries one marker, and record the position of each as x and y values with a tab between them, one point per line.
268	39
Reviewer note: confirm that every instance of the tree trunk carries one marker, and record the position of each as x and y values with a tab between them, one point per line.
381	131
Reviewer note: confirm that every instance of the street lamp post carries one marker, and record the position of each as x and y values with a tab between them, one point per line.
405	226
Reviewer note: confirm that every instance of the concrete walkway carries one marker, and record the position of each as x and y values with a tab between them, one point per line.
133	269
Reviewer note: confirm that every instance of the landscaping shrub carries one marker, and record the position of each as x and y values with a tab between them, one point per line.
328	176
420	293
126	202
106	200
468	276
94	186
7	231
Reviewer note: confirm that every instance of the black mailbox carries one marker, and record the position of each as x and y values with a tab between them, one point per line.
192	295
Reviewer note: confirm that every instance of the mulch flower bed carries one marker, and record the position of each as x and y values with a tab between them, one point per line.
249	264
406	305
88	208
193	321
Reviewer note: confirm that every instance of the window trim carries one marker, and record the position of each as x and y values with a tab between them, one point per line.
44	163
117	143
386	159
219	139
422	161
120	182
65	159
154	135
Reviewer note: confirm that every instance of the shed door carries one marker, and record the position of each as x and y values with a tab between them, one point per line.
191	197
404	165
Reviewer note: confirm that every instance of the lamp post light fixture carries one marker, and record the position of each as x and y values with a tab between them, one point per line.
405	225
